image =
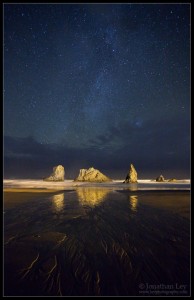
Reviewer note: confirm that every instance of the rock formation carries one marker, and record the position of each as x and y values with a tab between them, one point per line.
160	179
91	175
172	180
131	176
57	175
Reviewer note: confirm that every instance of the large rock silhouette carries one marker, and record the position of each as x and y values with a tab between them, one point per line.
131	176
57	175
92	175
160	179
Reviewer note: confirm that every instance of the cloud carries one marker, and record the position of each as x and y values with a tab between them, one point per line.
153	149
28	158
153	146
152	135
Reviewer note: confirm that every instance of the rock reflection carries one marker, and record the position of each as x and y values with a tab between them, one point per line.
91	196
132	187
58	202
106	248
134	202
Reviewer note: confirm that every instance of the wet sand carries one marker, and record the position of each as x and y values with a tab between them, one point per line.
96	241
14	197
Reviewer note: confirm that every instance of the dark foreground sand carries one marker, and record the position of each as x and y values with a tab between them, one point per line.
96	241
14	197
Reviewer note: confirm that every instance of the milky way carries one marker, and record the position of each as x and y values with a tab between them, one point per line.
98	85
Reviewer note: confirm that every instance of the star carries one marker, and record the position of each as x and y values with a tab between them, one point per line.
73	73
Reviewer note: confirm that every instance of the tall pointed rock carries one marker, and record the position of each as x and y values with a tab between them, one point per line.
57	175
131	176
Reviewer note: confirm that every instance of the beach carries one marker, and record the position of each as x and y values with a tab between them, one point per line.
69	184
99	239
96	149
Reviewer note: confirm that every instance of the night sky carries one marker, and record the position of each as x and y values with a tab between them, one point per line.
101	85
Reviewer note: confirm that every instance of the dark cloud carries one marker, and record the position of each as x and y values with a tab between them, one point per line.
151	147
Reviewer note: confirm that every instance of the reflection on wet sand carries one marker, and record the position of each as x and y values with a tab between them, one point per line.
133	201
130	187
58	202
91	196
106	250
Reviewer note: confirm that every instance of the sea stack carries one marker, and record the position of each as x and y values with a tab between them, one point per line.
131	176
160	179
57	175
172	180
92	175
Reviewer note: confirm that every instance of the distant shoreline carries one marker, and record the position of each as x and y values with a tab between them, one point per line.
30	185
